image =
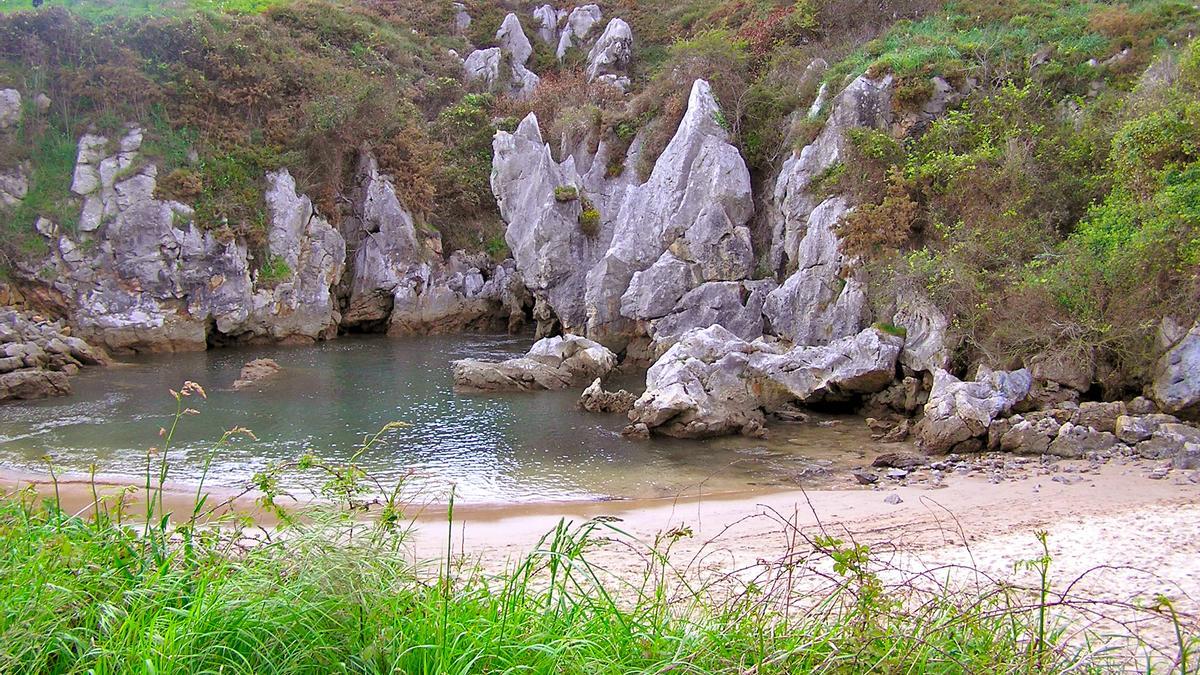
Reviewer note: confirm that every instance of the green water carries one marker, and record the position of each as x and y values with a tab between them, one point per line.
520	447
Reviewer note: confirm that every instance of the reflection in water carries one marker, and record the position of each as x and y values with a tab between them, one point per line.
516	447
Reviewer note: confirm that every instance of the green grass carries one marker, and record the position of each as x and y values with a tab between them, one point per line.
101	11
106	590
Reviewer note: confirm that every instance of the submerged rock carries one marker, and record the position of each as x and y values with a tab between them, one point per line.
959	413
254	372
552	363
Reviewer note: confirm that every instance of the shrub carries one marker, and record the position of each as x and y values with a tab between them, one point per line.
589	217
274	271
566	193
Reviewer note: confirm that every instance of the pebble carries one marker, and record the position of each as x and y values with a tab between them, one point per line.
893	499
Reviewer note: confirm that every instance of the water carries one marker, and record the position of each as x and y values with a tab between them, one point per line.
495	448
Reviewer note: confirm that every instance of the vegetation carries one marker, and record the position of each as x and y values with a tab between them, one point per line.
566	193
125	586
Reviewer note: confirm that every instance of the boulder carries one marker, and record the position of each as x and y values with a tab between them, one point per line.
1032	436
1101	416
254	372
33	384
10	108
959	412
596	400
1172	441
552	363
512	40
1074	441
1133	429
611	56
925	326
711	382
695	204
1176	386
547	19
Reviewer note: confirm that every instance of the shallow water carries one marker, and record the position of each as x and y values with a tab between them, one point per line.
505	448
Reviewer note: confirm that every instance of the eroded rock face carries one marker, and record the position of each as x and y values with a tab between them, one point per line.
610	57
959	413
692	210
734	305
925	348
502	68
547	19
1176	385
712	382
143	277
552	363
37	355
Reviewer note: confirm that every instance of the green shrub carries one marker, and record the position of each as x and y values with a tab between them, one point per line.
566	193
275	270
589	217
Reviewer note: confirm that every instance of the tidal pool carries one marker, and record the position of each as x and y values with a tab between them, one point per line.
494	448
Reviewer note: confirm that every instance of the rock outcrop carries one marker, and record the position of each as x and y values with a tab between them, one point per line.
578	28
824	296
552	363
959	413
610	57
547	19
10	108
502	68
1176	385
687	222
712	383
38	355
142	276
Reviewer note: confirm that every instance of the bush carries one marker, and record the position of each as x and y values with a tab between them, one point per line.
589	217
566	193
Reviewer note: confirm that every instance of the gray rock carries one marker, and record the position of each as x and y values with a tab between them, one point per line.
825	299
1029	436
462	20
1075	441
1101	416
1176	385
959	411
696	204
547	19
552	363
596	400
10	108
580	23
864	103
925	326
735	305
14	185
511	39
610	57
893	499
900	460
712	383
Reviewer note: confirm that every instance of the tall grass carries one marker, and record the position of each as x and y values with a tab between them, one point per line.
96	592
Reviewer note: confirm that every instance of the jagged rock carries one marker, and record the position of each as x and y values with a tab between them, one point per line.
551	251
712	382
596	400
487	66
547	19
1176	386
825	299
611	55
1133	429
925	327
151	280
552	363
1075	441
735	305
1028	436
468	292
864	103
904	397
254	372
959	412
33	384
579	25
10	108
512	40
695	205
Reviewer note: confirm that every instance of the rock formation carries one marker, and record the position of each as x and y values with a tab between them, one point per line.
959	413
1176	385
552	363
38	355
575	33
502	68
596	400
712	382
610	57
